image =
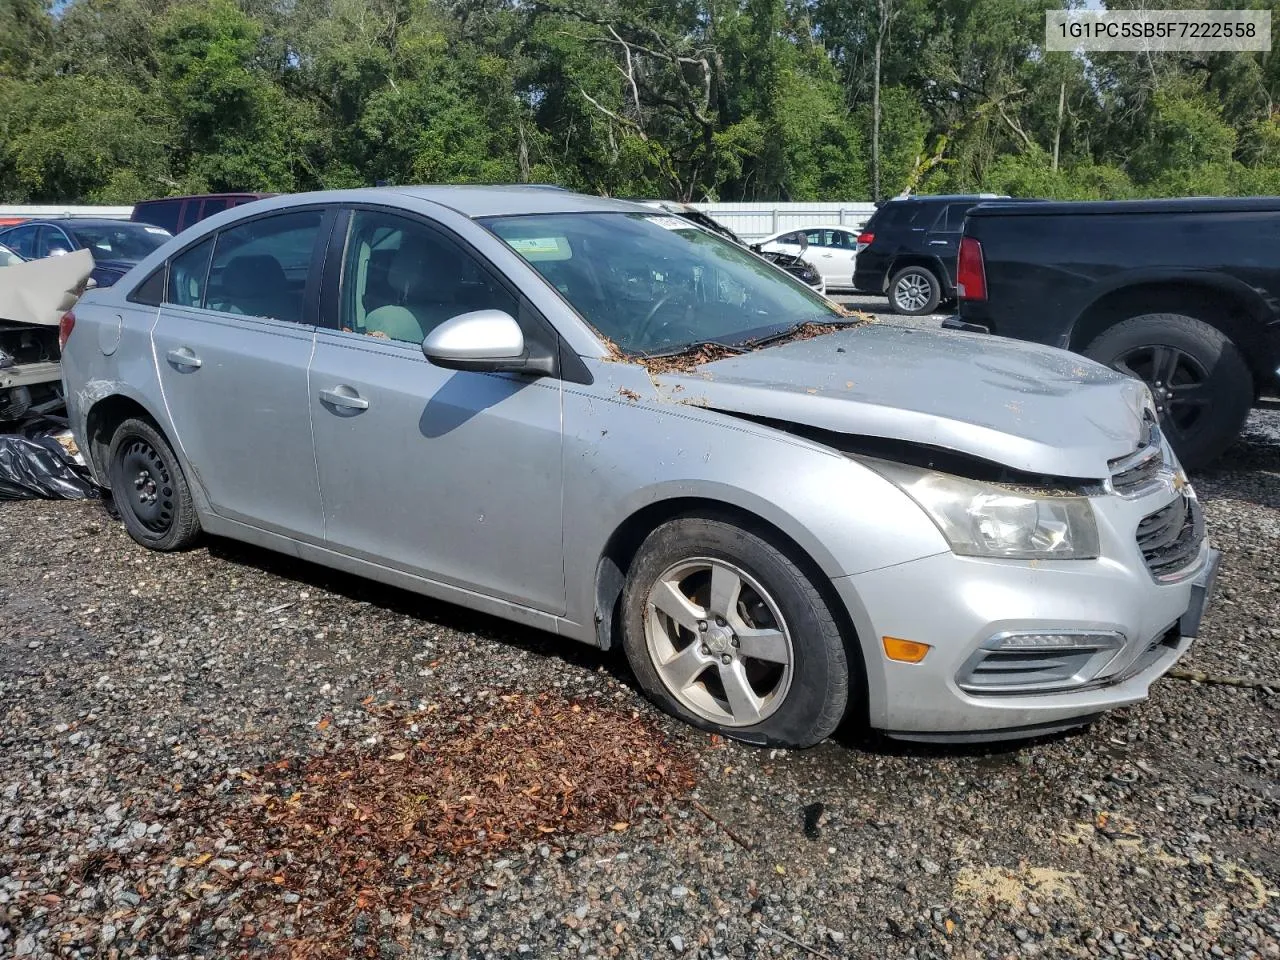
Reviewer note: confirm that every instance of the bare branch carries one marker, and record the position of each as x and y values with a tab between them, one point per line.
625	121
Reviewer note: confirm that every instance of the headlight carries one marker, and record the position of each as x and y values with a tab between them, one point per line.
991	520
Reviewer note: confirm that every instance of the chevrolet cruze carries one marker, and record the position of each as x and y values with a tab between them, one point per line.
599	420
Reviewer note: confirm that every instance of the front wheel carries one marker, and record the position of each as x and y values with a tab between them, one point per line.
725	631
914	292
149	488
1202	386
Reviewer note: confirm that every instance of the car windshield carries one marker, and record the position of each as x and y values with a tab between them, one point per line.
656	284
119	241
7	257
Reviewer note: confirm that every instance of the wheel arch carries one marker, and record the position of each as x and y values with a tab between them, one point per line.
932	264
101	422
1223	303
623	544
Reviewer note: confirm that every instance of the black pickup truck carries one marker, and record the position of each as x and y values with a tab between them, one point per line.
1184	294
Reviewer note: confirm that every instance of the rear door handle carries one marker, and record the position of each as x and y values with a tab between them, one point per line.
184	357
344	397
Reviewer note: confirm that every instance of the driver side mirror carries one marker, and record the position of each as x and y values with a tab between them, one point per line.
485	341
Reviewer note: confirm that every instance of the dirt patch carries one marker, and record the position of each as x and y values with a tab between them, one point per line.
342	853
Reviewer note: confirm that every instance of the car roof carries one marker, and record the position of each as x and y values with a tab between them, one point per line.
204	196
847	227
78	221
948	198
469	201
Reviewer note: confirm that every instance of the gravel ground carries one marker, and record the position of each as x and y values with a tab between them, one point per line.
141	696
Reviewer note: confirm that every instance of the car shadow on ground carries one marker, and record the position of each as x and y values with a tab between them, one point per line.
853	734
406	603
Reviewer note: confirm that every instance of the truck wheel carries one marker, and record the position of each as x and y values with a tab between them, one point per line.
1202	386
149	489
726	632
914	292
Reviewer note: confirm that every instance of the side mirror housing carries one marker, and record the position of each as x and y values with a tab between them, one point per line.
485	341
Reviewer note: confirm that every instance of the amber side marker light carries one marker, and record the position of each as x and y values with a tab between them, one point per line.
904	651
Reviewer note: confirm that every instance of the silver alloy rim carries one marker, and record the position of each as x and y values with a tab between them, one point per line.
912	292
719	642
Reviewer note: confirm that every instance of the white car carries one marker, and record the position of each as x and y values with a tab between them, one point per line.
831	249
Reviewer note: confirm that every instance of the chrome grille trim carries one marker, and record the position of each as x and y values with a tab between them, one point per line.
1137	474
1170	538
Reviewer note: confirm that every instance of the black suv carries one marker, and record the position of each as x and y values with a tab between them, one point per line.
908	249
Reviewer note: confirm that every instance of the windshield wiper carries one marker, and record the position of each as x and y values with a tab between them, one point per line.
792	331
713	346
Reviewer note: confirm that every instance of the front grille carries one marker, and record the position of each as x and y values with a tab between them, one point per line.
1170	538
1135	473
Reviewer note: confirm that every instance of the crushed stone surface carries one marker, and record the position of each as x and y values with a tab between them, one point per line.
158	713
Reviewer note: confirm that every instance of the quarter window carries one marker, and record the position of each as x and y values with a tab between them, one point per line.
401	279
954	222
188	275
21	241
260	268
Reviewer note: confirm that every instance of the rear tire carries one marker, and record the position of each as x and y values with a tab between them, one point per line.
1202	385
914	292
149	488
757	654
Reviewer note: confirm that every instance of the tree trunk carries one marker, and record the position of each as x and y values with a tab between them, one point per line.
1057	131
884	9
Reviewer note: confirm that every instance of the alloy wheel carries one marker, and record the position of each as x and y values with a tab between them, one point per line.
912	292
719	642
1178	382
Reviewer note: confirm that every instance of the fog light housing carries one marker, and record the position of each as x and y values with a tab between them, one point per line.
1039	661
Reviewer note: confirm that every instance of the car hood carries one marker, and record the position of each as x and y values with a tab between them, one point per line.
1031	408
41	291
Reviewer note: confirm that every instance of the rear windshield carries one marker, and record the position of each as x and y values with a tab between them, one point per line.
119	241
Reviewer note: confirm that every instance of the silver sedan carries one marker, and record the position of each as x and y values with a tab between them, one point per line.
598	420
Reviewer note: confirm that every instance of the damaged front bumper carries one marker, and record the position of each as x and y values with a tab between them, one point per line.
1133	630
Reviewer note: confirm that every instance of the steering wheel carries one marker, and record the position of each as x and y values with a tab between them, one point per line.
642	334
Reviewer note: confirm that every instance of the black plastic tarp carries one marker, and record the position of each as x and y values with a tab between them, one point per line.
33	465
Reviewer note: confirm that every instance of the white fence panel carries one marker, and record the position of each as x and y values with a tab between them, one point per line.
751	221
44	211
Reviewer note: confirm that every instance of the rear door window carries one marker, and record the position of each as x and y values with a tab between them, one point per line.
954	219
53	242
260	268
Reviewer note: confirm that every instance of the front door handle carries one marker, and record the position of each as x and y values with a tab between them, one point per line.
184	357
344	397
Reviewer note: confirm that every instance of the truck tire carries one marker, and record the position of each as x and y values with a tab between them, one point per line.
914	292
1202	386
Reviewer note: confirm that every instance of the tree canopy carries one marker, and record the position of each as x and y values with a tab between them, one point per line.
113	101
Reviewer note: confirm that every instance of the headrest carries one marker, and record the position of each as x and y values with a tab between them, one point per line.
420	266
258	273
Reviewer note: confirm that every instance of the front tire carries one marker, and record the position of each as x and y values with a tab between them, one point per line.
1201	383
914	292
726	632
149	488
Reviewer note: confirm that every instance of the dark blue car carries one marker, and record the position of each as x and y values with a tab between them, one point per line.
116	245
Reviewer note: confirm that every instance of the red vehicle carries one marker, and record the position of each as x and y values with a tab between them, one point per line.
175	214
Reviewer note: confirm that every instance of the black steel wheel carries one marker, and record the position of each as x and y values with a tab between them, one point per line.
149	489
